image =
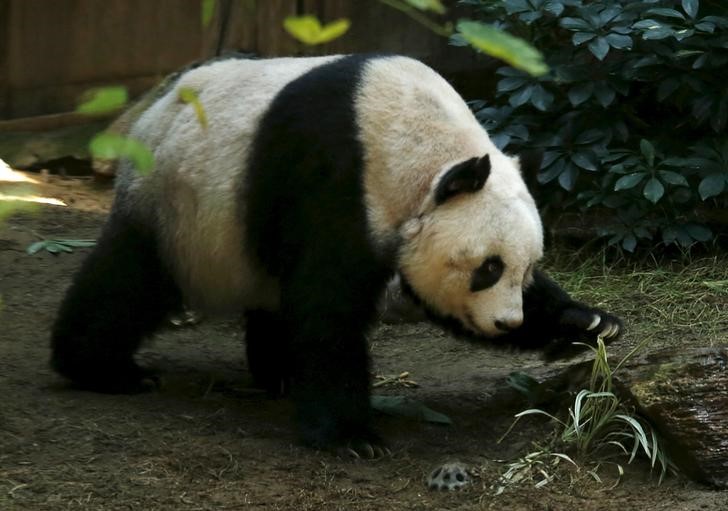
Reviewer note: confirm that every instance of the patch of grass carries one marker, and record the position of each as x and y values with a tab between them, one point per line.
664	302
599	429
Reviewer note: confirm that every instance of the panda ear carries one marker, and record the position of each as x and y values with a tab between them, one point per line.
466	177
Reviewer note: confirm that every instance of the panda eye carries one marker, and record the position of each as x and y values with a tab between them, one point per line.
487	274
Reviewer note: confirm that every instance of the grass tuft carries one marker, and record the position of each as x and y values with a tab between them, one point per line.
598	429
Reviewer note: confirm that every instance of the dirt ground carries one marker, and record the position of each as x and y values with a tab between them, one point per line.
206	441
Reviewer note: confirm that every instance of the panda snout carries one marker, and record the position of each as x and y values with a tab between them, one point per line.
508	324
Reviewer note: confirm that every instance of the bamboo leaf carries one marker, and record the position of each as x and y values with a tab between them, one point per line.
189	96
496	43
103	100
111	146
308	29
207	10
428	5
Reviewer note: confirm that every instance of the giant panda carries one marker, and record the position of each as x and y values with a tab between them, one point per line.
315	181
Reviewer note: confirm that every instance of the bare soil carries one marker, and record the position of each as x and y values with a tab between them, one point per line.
206	441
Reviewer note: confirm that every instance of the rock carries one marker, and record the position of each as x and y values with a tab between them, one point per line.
684	394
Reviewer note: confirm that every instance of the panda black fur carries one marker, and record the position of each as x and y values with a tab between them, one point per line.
316	180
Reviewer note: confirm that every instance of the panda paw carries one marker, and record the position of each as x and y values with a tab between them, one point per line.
592	322
449	476
356	443
579	323
363	449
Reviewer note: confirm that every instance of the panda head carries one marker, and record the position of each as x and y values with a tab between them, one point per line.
471	250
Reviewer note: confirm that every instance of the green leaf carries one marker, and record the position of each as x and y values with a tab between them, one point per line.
648	24
599	47
699	232
207	9
648	151
653	190
620	42
57	246
404	406
629	243
103	100
629	181
705	26
690	7
526	385
428	5
189	96
308	29
77	243
521	97
667	88
554	7
111	146
510	83
51	247
668	13
541	98
656	34
567	179
496	43
35	247
673	178
712	185
575	24
604	94
578	94
588	137
584	160
582	37
549	174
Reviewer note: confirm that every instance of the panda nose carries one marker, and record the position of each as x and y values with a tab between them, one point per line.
507	325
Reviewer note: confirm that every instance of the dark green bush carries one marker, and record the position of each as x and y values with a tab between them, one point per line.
632	116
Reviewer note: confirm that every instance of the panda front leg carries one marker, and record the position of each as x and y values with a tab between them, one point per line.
327	308
552	321
121	294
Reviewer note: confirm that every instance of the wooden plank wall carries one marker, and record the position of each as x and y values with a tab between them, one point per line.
53	50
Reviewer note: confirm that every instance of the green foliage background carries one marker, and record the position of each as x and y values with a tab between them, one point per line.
631	117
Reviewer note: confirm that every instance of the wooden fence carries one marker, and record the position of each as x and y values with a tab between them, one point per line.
53	50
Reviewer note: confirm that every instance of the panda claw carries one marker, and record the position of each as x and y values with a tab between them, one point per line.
595	322
352	453
609	331
364	450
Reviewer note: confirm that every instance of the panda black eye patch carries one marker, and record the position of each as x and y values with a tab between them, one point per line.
487	274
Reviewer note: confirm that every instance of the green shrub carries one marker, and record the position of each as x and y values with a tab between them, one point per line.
632	116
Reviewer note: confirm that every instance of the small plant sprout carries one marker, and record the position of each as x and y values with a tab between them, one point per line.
598	428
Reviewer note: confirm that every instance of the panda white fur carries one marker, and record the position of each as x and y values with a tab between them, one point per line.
315	180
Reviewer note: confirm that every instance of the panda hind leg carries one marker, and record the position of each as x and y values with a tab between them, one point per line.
267	352
121	294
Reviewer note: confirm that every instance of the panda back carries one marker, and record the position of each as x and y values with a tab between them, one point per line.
193	196
413	125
